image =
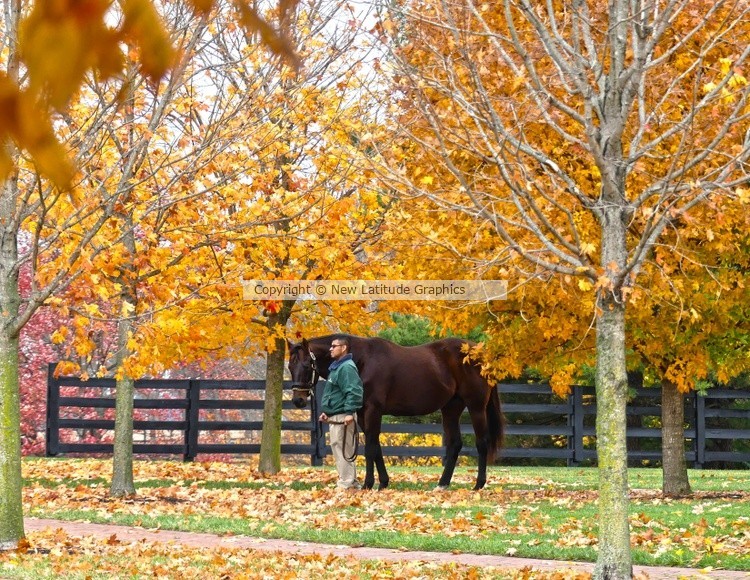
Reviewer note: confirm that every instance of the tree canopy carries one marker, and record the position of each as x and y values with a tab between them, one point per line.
578	136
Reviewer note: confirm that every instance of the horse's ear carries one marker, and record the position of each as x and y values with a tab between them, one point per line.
289	344
305	344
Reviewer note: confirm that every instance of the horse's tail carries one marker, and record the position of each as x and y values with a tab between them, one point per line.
495	425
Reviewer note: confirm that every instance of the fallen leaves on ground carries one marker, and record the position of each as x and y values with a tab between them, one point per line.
321	507
53	553
304	499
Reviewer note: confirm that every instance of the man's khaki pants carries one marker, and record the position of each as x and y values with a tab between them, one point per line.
342	446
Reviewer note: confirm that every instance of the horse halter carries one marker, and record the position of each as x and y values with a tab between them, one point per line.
310	386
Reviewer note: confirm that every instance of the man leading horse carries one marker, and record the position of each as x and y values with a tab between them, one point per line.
407	381
342	398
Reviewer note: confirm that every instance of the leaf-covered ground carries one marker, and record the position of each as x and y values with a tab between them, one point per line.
53	554
524	512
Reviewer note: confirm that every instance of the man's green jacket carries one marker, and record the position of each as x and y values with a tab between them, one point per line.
343	392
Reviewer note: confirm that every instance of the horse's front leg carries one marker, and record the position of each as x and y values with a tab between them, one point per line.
369	460
380	464
370	451
373	451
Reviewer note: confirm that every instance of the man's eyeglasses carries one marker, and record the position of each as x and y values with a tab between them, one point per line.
335	346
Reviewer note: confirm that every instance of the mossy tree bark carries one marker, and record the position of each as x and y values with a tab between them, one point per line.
11	507
614	560
11	512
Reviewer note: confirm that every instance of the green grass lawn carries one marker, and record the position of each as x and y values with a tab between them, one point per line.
535	512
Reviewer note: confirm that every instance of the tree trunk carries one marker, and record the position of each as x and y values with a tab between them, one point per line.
122	460
614	559
11	504
122	457
270	440
11	497
270	443
11	510
674	467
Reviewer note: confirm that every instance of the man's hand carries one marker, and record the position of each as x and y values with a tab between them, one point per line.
323	418
348	420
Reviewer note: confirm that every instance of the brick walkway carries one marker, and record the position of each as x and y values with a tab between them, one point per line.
211	540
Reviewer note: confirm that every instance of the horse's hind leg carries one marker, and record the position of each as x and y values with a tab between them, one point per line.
479	421
452	436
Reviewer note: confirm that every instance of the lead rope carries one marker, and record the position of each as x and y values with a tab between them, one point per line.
356	441
355	451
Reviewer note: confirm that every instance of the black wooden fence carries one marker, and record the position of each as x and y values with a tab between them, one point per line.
539	425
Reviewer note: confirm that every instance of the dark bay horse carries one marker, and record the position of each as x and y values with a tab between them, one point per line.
407	381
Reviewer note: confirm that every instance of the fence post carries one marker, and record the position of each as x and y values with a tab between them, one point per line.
571	443
52	441
192	415
700	430
576	421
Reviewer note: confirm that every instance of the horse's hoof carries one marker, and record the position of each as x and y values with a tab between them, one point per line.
368	485
478	487
382	486
441	488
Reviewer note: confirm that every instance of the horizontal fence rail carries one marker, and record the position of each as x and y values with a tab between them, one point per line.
539	425
188	399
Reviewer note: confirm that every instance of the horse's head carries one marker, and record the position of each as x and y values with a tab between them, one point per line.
304	371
